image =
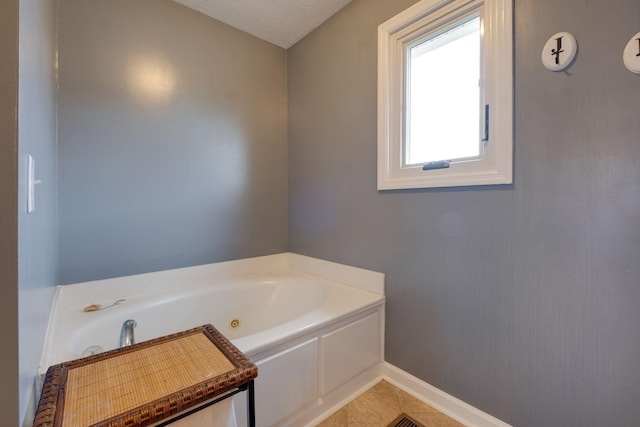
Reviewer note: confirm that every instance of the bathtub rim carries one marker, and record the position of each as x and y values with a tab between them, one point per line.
157	281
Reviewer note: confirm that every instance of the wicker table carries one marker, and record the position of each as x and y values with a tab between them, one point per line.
157	381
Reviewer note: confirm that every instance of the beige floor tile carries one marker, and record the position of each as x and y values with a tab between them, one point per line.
409	403
380	401
384	387
361	415
380	405
339	419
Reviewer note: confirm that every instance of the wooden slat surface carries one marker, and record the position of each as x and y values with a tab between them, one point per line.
113	386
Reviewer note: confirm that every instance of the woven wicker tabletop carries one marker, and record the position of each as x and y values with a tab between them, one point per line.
144	383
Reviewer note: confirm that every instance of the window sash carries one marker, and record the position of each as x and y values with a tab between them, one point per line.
417	137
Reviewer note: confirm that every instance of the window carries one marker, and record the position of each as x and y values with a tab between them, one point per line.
445	95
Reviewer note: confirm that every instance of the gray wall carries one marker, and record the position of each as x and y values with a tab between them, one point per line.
9	401
522	300
190	170
38	231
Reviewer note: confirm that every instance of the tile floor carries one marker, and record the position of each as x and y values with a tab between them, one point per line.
381	404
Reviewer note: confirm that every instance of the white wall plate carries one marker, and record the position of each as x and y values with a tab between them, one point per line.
631	55
559	51
31	184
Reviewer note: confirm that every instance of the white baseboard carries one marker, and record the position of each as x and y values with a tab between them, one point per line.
443	402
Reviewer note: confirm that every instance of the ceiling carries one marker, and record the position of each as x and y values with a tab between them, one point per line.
281	22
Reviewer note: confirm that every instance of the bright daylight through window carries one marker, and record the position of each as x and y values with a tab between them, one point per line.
445	95
443	102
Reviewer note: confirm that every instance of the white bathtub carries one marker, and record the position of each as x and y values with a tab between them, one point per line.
314	328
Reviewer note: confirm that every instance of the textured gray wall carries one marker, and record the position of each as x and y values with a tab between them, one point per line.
9	401
190	170
522	300
38	231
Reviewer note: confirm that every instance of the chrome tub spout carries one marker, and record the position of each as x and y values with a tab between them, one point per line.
126	333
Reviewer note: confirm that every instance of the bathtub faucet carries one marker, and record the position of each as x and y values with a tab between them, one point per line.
126	333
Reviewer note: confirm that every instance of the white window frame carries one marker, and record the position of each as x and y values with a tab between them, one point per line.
394	37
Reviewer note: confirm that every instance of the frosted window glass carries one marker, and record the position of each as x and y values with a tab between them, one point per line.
443	96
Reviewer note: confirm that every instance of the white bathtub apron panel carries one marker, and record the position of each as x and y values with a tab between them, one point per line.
221	414
288	382
296	379
350	350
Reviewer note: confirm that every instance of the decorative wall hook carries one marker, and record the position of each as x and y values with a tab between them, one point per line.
631	55
559	51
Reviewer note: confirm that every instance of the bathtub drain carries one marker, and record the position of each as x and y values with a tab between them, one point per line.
234	324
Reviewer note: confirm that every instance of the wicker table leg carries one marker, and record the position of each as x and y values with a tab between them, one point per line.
251	405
